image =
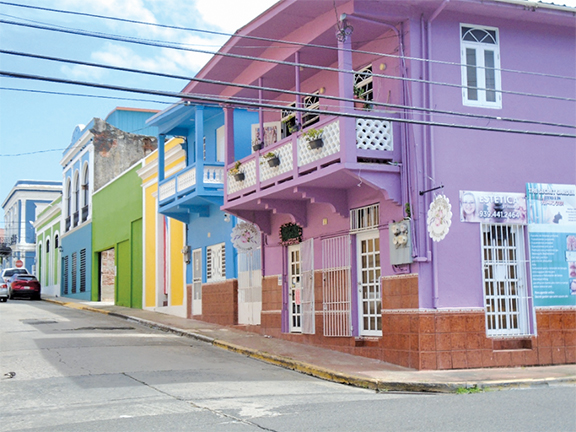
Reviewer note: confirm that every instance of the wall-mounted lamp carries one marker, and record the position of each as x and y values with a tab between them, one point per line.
322	90
60	248
226	217
187	255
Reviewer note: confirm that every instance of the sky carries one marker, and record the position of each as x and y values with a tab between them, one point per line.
36	126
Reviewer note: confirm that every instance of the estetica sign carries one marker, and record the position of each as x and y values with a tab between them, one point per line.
492	207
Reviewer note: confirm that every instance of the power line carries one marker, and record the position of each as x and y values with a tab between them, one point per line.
264	60
233	101
254	87
31	153
264	39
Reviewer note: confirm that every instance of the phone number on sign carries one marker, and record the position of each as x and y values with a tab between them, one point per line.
500	214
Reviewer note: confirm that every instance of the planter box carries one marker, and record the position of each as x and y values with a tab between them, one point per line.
239	176
316	144
274	162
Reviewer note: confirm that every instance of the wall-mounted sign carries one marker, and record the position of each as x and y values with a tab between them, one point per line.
492	207
552	239
245	236
439	218
551	204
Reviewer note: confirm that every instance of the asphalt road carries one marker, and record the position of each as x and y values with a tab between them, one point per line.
63	369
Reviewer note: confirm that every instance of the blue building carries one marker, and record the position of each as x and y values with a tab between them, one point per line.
194	195
98	153
26	200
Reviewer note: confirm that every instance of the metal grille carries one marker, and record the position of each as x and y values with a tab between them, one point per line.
364	218
83	270
65	275
308	309
197	282
504	276
74	271
249	287
336	286
215	263
374	135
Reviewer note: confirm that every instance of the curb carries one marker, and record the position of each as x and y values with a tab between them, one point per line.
330	375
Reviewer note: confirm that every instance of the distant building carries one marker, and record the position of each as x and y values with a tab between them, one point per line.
48	229
98	153
24	202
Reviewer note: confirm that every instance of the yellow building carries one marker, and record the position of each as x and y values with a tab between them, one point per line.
164	239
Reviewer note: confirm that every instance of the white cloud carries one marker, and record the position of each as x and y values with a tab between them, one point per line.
230	15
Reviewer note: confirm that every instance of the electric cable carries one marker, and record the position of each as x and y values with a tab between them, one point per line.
264	39
272	89
174	46
232	101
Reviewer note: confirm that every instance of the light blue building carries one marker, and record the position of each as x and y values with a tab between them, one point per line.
194	195
98	153
26	200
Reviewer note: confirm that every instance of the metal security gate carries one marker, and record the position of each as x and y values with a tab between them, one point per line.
308	310
504	276
197	282
249	287
336	286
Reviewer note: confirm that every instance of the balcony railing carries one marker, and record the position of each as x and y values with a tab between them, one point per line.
373	139
185	181
76	218
84	213
68	221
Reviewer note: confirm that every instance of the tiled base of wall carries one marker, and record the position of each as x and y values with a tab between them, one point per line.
220	302
449	340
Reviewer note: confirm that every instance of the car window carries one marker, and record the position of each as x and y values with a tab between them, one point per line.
25	277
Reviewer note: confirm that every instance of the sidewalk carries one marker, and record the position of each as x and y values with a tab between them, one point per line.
333	365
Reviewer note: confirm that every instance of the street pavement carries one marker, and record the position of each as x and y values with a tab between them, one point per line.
333	365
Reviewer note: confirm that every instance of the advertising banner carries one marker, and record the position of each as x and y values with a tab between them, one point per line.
552	239
492	207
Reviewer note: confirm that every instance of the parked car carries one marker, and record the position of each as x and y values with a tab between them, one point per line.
24	285
9	272
3	291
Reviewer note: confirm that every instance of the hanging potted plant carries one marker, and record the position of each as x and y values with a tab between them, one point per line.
273	159
257	144
290	234
314	138
235	171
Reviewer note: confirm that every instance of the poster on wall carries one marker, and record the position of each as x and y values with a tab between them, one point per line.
271	133
552	240
492	207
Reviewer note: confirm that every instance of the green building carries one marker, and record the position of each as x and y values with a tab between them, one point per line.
47	268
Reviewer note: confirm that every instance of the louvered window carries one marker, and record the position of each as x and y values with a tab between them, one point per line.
74	271
216	263
83	270
364	218
65	275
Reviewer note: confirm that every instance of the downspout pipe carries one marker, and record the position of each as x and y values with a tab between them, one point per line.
430	101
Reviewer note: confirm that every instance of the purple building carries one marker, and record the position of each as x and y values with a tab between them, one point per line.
405	233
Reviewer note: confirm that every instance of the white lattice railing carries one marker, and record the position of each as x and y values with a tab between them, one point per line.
186	179
167	189
213	174
374	135
249	170
284	153
331	138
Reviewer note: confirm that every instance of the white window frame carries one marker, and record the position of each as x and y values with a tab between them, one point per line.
216	262
480	47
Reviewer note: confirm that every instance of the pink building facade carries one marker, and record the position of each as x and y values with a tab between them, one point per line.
418	102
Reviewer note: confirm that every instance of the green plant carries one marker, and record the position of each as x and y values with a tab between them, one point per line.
313	134
236	169
290	234
407	210
469	390
270	155
358	92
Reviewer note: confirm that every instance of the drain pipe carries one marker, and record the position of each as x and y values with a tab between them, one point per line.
437	12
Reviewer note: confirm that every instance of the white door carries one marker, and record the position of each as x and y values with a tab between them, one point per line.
308	302
369	294
249	287
197	282
294	289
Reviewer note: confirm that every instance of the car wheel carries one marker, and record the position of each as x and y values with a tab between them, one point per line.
3	299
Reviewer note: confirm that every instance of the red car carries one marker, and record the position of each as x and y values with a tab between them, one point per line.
24	285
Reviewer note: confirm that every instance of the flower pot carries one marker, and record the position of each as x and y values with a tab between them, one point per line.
273	162
316	144
239	176
258	146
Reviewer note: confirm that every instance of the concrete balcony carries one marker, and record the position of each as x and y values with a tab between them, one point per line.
187	192
354	150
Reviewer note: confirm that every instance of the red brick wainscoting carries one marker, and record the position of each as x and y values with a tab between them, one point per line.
220	302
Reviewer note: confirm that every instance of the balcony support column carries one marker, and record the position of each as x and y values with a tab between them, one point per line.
199	138
297	87
228	146
346	91
161	139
